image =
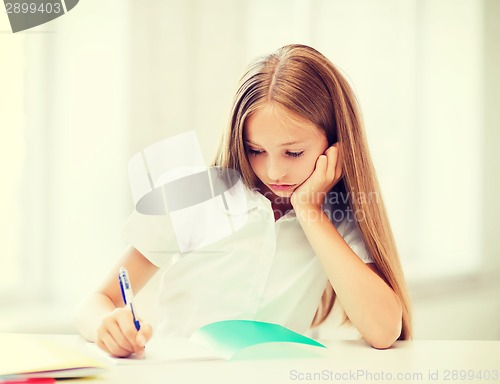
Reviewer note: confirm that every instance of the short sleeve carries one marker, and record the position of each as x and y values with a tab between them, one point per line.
352	236
151	235
336	208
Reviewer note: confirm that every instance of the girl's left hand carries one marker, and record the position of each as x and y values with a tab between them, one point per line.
327	172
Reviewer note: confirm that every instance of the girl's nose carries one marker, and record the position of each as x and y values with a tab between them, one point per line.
276	170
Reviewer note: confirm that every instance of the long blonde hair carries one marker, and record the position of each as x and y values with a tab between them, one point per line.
303	81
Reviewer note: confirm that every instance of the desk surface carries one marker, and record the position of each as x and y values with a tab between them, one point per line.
422	361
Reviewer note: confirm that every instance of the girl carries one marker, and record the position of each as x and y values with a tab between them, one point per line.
322	234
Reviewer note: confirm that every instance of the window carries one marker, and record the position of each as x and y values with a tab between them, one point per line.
82	101
12	151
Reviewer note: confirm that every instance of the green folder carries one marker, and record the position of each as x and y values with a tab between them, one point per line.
245	339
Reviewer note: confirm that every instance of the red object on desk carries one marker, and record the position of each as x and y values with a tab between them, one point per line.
45	380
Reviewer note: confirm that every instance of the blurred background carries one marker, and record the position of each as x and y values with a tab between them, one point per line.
80	95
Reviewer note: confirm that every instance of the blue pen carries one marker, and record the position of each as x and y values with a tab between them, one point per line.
127	293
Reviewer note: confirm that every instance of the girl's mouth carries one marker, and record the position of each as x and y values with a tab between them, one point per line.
281	187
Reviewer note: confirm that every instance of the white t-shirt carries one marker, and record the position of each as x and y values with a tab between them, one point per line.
263	270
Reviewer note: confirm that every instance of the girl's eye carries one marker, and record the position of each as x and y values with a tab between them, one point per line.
295	154
254	152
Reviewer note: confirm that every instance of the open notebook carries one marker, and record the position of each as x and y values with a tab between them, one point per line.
227	340
24	356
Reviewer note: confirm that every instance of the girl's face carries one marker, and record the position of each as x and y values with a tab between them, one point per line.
282	148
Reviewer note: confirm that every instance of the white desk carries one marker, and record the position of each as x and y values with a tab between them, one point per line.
347	362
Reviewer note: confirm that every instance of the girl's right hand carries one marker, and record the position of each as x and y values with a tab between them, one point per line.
117	334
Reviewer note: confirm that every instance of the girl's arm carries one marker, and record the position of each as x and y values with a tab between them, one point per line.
369	302
103	319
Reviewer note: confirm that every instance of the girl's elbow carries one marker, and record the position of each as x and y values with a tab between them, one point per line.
382	345
388	334
386	339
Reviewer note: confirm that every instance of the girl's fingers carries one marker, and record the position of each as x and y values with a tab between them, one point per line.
129	332
117	333
109	344
333	163
321	168
338	165
327	172
123	332
134	340
144	334
115	349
